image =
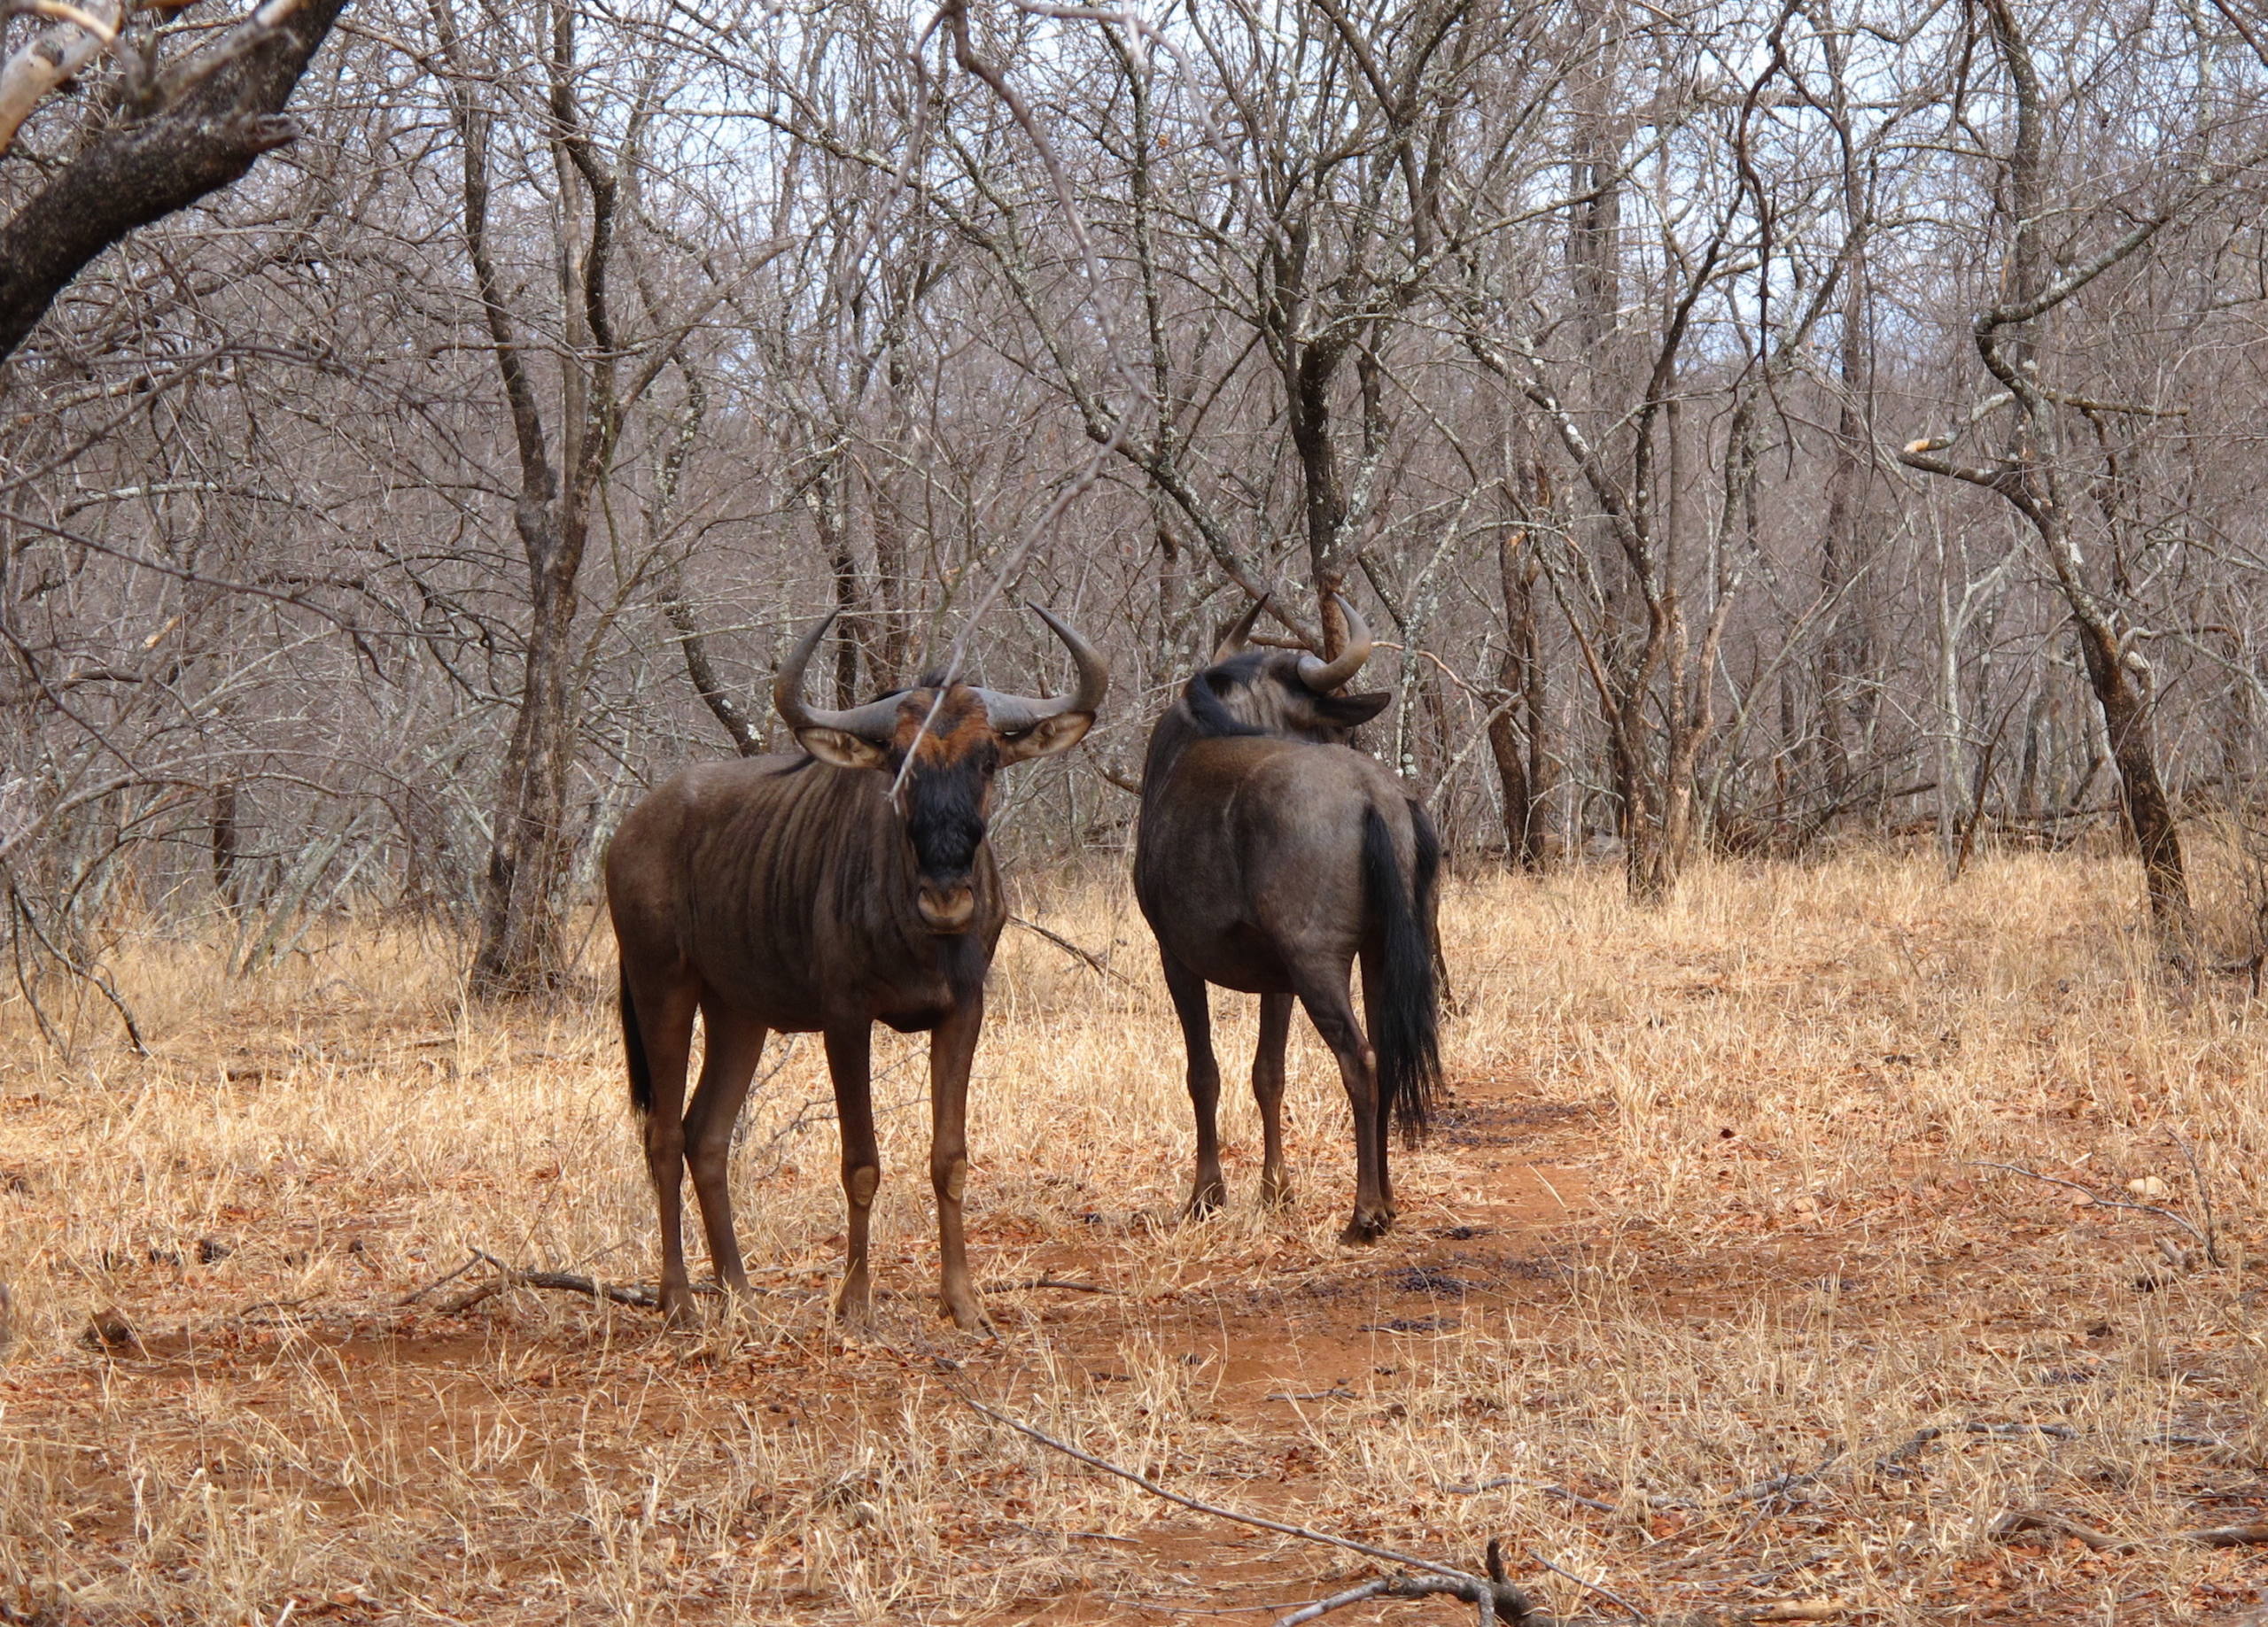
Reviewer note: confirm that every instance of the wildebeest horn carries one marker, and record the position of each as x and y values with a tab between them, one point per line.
876	721
1012	712
1322	676
1232	641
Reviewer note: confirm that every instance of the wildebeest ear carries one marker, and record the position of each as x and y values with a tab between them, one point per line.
842	749
1046	737
1348	711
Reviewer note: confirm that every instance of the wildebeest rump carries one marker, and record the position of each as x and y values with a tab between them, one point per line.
822	892
1271	856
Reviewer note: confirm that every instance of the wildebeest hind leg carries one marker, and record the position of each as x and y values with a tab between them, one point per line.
1191	1003
731	1048
1373	1002
664	1008
847	1049
1268	1090
1333	1012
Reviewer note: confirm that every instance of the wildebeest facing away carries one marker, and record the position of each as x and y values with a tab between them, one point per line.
1270	855
830	891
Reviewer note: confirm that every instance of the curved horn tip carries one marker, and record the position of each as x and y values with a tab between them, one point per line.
1322	676
1091	683
787	685
1094	681
1232	642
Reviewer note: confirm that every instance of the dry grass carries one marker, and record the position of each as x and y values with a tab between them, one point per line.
1708	1211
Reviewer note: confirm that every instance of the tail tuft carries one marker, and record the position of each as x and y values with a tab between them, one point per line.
633	1050
1406	1030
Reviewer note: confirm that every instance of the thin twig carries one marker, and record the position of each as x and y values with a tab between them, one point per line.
2016	1431
638	1296
1061	1282
2021	1520
2089	1194
1608	1593
2204	1198
1306	1533
1475	1488
441	1282
1068	948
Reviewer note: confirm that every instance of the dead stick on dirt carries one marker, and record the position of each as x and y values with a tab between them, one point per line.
1896	1454
2204	1193
1382	1588
1495	1595
1304	1532
443	1280
1636	1615
639	1298
2097	1198
2022	1520
1032	1282
1474	1489
2017	1431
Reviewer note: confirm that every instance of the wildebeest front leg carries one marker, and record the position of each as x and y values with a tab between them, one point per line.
1207	1191
1268	1090
1333	1012
952	1048
731	1048
847	1049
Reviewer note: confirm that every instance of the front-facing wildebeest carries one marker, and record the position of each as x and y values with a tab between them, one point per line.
1270	855
827	891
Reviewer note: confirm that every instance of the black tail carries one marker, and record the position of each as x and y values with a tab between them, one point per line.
1406	1030
633	1050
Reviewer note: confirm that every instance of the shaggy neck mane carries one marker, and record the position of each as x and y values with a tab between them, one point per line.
1199	714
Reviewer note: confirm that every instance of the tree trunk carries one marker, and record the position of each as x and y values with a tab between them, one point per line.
1515	730
523	946
2119	681
226	837
523	928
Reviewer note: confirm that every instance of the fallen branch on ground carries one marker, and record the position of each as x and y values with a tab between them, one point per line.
2022	1520
1494	1596
1778	1483
442	1280
2099	1201
1490	1596
1475	1488
638	1296
1062	1282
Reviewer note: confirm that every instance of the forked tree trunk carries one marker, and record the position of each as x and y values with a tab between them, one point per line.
523	928
524	944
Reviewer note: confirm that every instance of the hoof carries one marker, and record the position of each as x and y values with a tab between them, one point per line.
678	1313
1205	1200
1366	1228
968	1316
1275	1192
853	1308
